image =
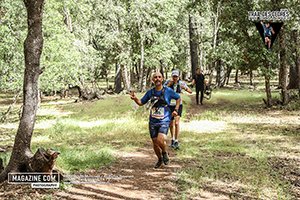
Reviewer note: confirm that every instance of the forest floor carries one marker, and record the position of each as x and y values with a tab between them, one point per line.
231	148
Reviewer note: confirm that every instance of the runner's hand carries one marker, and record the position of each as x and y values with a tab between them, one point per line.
132	95
183	87
170	83
174	113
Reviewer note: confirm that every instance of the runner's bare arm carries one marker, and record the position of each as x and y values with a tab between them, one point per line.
272	30
186	88
175	112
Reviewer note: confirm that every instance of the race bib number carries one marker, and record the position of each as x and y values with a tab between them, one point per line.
173	102
157	113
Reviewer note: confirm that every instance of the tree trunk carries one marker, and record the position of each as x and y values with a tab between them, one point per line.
283	68
298	60
33	46
294	82
161	69
251	77
201	64
220	78
268	102
68	19
148	77
216	27
142	70
193	45
228	75
118	79
236	79
126	77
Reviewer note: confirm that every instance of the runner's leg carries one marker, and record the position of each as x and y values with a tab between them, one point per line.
161	140
201	98
197	96
177	127
156	148
172	127
172	130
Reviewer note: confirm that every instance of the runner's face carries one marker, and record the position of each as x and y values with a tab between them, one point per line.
175	78
157	79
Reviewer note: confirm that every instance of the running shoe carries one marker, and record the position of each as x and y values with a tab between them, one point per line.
165	158
158	164
176	145
172	144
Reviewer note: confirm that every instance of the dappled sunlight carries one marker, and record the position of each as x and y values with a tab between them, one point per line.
41	139
9	126
99	122
52	112
265	119
227	187
46	124
203	126
50	101
256	137
135	154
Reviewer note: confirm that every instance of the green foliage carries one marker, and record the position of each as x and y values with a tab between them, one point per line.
12	34
84	40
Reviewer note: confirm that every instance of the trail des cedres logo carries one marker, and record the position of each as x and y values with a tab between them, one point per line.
268	24
36	179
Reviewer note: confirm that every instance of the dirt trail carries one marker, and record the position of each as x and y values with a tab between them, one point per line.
137	179
133	177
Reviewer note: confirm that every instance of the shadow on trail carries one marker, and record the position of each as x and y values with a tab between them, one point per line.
136	179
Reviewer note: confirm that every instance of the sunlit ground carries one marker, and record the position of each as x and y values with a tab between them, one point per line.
231	146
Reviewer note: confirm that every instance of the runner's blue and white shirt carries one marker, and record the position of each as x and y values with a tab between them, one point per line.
177	88
161	114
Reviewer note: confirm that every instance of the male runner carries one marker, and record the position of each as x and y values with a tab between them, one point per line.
160	115
176	85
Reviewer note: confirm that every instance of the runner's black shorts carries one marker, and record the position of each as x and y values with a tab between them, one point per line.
155	129
269	36
172	108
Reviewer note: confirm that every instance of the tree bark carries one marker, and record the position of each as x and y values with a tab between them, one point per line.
142	85
126	77
268	102
251	77
229	69
118	79
161	69
33	46
283	68
221	76
236	79
298	60
193	45
216	27
68	19
294	82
